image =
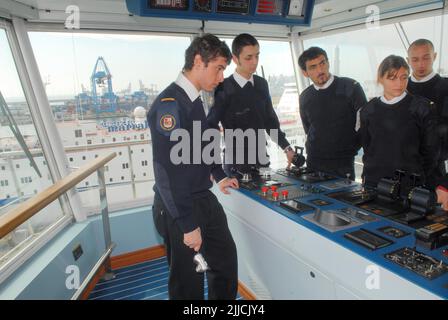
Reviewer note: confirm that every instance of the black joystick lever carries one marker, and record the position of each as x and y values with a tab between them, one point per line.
238	172
399	174
415	180
298	160
245	177
347	179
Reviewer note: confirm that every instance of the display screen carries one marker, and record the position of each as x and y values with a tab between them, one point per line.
168	4
273	12
202	5
270	7
233	6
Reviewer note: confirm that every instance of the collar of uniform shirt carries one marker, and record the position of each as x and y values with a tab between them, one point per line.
193	93
326	85
394	100
241	80
183	82
425	79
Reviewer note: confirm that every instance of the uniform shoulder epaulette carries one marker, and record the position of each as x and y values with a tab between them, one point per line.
349	80
346	86
425	102
167	99
304	96
307	90
166	113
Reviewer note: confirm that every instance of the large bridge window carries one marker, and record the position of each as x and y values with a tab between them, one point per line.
277	67
23	167
357	54
435	29
94	82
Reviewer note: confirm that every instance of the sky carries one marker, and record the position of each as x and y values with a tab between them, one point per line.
66	60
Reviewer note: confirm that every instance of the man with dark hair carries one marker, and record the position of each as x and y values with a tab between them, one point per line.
426	83
243	102
311	54
329	111
186	214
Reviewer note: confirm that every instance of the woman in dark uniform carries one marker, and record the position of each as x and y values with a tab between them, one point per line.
398	129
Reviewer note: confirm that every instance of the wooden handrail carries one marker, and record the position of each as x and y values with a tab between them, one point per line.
14	218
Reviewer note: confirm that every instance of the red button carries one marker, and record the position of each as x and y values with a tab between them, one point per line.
275	195
274	188
264	189
285	193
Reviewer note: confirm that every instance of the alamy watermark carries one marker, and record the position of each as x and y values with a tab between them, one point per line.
73	20
72	282
373	18
373	279
242	147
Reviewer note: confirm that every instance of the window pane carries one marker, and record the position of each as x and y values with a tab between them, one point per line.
277	68
431	28
94	83
444	47
357	54
23	169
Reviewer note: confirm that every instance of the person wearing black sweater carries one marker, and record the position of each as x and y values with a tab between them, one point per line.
426	83
243	102
398	129
186	213
329	112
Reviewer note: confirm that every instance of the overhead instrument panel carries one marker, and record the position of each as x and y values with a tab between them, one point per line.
280	12
168	5
233	6
202	6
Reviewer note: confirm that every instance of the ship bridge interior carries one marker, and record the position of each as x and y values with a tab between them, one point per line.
76	160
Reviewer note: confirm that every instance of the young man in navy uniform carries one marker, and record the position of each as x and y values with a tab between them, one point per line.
329	112
425	82
186	213
243	102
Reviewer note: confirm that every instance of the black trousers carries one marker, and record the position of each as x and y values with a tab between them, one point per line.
218	249
337	167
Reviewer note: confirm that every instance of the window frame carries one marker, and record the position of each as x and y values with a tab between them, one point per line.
21	256
56	28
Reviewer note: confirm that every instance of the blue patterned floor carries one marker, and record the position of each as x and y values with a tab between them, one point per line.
143	281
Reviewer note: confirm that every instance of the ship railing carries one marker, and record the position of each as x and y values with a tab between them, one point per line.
23	212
